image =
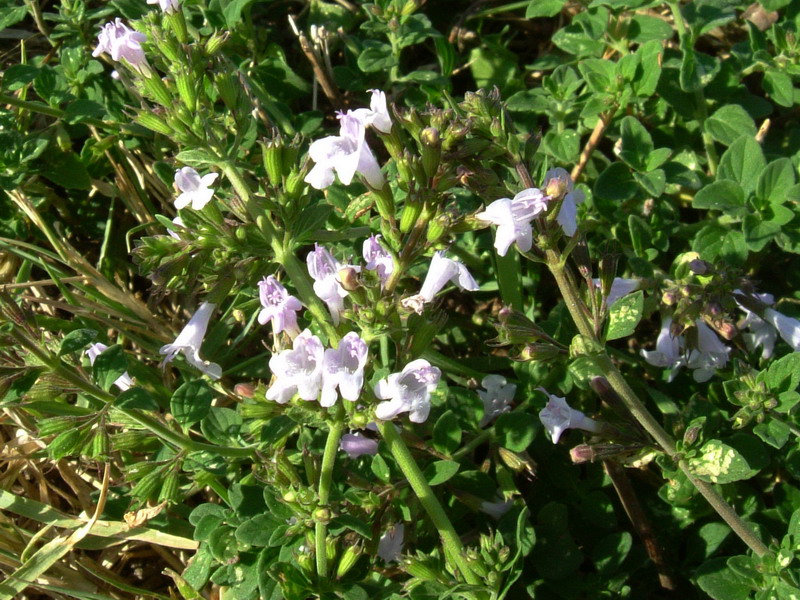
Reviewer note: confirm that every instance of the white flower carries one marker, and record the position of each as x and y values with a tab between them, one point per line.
124	381
619	287
408	391
377	258
346	154
123	43
297	371
787	327
496	510
179	222
357	444
189	341
343	367
324	270
167	6
194	188
764	330
671	352
513	219
391	543
568	215
497	397
377	114
441	271
278	306
557	417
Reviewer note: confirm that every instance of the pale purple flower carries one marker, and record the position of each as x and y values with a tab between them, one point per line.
391	543
672	353
764	330
496	397
278	306
124	381
513	218
194	188
179	222
377	258
568	215
377	114
346	154
667	354
496	510
619	287
168	6
324	270
357	444
788	327
189	341
557	417
408	391
123	43
441	272
343	367
297	371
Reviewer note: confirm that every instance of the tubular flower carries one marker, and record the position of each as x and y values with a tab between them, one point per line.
513	218
343	367
377	257
189	341
408	391
671	352
391	543
168	6
568	215
324	270
195	190
346	154
557	417
496	398
765	330
297	371
787	327
377	115
124	381
442	271
619	287
278	306
123	43
357	444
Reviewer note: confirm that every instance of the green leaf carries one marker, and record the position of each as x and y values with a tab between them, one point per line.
600	75
775	181
380	468
610	552
440	471
65	169
563	146
724	194
196	158
783	375
137	398
636	143
12	16
644	28
376	57
720	583
352	523
653	182
515	431
222	426
76	340
232	11
715	241
624	315
65	443
616	183
16	77
572	39
109	366
742	162
779	86
447	433
277	428
82	109
191	402
729	123
773	432
758	233
649	70
697	69
543	8
657	158
258	530
717	462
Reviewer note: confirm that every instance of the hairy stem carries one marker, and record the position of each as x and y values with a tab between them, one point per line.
325	479
453	548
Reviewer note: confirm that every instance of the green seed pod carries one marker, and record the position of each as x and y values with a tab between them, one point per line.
348	560
330	549
228	89
154	123
438	228
177	23
306	562
215	42
410	214
146	487
187	90
421	569
56	425
99	444
431	150
295	184
157	90
170	49
169	489
272	155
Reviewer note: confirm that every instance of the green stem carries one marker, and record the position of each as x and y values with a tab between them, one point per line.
453	548
325	480
639	411
57	113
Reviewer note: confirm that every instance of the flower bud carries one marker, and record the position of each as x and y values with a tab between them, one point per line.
272	155
330	548
177	23
245	390
294	183
216	41
438	228
290	497
359	420
187	90
727	330
537	352
421	569
170	49
306	562
431	150
582	454
410	214
348	560
154	123
699	267
349	279
322	514
556	187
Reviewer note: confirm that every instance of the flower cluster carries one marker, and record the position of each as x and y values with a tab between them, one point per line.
513	216
348	153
